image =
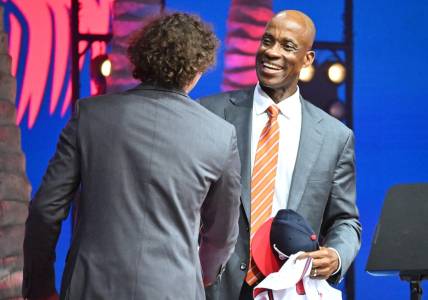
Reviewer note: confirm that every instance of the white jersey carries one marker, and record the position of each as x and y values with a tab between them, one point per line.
292	282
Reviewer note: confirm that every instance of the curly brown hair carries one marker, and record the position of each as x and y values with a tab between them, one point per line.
172	49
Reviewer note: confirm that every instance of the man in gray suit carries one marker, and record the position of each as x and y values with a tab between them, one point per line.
155	169
314	172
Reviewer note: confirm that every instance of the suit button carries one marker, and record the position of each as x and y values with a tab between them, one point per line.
243	266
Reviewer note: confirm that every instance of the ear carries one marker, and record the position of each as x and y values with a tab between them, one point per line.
309	58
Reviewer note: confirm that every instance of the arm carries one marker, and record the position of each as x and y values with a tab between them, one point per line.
47	210
220	214
341	226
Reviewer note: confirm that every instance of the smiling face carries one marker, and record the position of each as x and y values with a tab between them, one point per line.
284	50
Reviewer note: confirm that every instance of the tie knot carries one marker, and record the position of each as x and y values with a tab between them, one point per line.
273	112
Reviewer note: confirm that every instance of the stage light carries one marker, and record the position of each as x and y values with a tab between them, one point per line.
306	74
336	73
100	66
322	90
100	69
106	68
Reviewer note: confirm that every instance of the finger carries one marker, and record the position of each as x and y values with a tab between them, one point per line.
326	271
318	274
321	263
319	253
303	255
313	273
323	273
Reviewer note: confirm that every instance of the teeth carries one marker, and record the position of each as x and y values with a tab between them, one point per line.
271	66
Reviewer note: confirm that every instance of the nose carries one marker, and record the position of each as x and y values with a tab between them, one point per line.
273	51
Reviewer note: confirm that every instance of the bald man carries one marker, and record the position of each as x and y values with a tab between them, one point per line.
293	155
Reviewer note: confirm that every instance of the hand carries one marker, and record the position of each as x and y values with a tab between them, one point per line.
325	262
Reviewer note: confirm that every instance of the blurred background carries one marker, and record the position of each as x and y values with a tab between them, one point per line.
382	94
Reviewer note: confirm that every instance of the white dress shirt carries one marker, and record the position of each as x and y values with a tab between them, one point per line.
290	123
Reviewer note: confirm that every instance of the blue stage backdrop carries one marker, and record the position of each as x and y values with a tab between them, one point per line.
390	107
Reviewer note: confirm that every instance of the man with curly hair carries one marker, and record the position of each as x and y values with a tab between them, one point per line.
156	171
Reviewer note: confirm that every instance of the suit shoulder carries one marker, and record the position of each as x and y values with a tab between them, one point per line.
218	103
223	99
95	101
212	119
329	121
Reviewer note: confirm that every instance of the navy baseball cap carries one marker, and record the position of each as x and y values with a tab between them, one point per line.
279	237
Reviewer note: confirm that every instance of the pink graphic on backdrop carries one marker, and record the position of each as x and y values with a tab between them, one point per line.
43	48
245	27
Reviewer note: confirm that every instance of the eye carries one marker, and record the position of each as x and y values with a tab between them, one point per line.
290	47
267	41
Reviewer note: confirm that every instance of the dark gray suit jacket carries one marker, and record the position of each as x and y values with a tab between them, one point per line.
322	188
155	169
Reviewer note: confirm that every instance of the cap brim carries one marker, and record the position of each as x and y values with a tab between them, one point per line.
261	251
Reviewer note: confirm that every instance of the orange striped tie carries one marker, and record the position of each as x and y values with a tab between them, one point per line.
263	182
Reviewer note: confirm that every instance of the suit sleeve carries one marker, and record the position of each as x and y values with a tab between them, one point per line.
47	210
220	214
343	230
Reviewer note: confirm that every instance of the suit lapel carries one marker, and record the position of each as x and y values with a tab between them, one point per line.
239	114
309	147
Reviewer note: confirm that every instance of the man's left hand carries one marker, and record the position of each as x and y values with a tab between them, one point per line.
324	262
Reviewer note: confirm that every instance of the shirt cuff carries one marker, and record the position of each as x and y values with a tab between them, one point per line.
340	261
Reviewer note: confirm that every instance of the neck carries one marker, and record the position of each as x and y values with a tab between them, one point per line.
192	83
278	95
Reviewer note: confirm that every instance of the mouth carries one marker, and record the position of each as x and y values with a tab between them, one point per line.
269	67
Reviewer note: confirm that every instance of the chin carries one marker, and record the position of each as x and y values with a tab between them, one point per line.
270	84
271	81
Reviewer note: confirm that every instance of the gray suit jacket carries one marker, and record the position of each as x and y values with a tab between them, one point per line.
322	188
155	170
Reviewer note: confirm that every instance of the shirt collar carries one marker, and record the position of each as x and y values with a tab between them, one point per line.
287	107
